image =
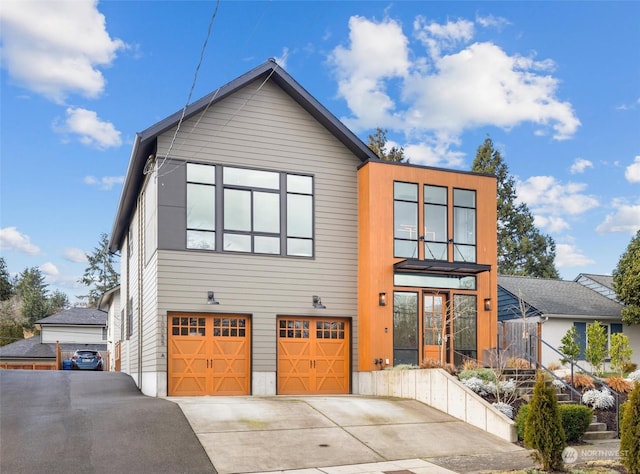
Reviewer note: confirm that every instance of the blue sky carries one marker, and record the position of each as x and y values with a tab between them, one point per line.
556	85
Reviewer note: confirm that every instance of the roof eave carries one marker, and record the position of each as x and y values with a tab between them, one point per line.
145	141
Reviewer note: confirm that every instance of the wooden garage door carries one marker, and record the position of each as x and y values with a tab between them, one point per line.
209	354
313	356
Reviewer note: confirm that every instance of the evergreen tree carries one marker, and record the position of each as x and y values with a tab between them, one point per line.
543	429
522	249
626	281
32	291
378	144
630	432
6	287
10	331
100	276
58	302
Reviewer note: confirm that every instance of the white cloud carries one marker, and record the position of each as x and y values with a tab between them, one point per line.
75	255
626	218
377	51
490	21
437	94
546	196
89	128
56	47
580	165
632	173
49	269
12	239
552	224
282	60
568	255
105	183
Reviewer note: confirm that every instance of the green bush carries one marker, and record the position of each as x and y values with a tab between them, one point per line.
630	432
487	375
543	428
575	420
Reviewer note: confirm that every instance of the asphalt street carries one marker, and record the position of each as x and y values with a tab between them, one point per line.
91	422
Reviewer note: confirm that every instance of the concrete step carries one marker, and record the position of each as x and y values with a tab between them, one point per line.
596	426
598	435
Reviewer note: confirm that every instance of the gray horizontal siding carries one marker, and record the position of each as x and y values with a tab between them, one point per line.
265	130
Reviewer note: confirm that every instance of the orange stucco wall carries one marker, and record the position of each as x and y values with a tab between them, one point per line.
376	260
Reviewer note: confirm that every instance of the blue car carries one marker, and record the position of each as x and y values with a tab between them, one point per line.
84	359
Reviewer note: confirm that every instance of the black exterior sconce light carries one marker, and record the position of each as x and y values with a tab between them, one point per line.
317	302
382	299
211	298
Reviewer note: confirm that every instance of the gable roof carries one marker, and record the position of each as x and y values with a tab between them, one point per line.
77	317
144	144
559	297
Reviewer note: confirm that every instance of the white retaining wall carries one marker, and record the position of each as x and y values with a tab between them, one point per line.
439	389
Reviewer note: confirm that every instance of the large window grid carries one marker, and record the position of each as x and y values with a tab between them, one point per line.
246	210
405	220
464	225
435	223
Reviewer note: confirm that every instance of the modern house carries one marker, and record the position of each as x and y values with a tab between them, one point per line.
548	308
68	330
265	249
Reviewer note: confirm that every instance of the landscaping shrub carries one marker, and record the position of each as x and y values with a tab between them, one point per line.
619	384
600	399
634	376
630	432
436	364
518	363
581	381
554	365
543	428
470	364
487	375
630	367
575	420
505	408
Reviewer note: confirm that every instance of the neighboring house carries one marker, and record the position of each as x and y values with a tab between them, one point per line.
551	307
110	302
265	249
74	328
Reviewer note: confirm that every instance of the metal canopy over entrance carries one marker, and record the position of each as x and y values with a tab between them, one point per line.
421	266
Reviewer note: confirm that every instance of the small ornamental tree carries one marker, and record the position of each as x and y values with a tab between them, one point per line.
543	429
620	352
596	351
630	432
570	346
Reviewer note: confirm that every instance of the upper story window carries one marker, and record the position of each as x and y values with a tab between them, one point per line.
464	225
405	220
435	223
244	210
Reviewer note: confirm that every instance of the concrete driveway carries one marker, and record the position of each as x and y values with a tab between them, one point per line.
336	434
94	422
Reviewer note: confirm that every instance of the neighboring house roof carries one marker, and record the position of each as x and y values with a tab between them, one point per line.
76	317
108	296
604	280
603	284
145	142
556	298
32	348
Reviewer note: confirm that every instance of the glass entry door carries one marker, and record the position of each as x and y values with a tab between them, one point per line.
436	327
405	328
